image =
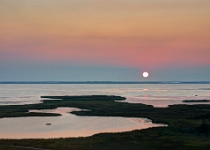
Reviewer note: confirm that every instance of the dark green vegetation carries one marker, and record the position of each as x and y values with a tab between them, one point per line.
86	102
189	125
193	101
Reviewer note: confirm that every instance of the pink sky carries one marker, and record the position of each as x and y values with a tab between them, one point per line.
126	33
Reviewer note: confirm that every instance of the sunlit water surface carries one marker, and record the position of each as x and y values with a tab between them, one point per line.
158	95
69	125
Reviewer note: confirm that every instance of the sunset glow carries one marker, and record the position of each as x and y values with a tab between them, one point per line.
122	33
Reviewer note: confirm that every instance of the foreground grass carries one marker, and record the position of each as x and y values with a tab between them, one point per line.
149	139
189	126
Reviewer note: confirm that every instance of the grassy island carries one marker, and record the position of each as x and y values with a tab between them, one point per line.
189	125
195	101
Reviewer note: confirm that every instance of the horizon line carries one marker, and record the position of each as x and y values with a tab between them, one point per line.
104	82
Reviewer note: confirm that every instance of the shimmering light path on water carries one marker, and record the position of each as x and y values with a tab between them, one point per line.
158	95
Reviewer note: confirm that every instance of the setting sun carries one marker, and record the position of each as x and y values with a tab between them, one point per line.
145	74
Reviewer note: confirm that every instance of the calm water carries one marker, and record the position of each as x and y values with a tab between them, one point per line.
158	95
69	125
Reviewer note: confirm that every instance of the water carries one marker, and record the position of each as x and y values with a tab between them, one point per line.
69	125
158	95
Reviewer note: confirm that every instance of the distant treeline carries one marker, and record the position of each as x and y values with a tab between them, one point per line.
104	82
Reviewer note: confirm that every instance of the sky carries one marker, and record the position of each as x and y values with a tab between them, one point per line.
104	40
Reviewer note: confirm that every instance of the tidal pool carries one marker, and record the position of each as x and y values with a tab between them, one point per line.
68	125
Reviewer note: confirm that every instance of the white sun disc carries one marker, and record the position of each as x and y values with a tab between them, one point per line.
145	74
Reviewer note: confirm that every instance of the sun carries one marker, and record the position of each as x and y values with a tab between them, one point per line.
145	74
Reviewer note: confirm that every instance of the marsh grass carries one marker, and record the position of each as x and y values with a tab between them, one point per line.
189	125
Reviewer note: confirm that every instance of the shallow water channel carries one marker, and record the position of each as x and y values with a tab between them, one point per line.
68	125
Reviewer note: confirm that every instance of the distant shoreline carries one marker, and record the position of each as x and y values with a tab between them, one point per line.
105	82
